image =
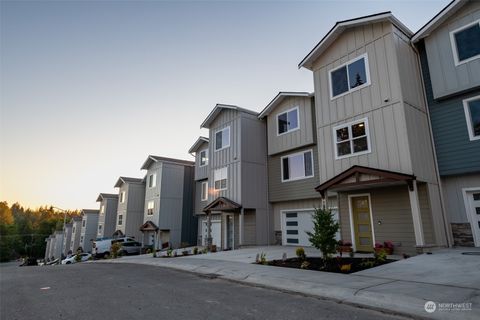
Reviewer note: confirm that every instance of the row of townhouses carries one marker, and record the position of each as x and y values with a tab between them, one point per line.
389	141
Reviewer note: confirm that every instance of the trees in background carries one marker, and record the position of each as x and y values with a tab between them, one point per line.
23	231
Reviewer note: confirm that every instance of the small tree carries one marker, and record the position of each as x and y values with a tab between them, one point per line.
324	229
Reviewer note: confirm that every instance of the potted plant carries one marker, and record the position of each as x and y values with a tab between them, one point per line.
386	247
344	246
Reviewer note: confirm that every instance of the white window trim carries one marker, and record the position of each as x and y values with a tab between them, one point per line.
468	118
206	193
200	158
118	220
229	137
226	185
469	209
298	121
295	154
454	44
122	197
154	180
349	125
153	208
350	211
367	73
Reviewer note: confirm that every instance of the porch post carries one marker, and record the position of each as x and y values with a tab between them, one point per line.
240	228
209	230
417	219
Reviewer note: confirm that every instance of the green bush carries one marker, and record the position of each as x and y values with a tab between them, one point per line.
300	252
324	230
115	249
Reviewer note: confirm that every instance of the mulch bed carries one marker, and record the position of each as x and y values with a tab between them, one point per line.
332	265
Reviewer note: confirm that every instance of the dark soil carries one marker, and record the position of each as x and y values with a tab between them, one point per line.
332	265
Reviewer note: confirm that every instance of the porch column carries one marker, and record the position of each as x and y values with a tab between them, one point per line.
209	230
240	228
417	218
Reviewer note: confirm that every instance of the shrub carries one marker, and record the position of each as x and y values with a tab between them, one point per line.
169	252
195	250
305	265
262	258
324	230
300	252
115	249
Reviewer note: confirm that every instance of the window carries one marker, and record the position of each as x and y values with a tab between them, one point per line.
203	158
351	139
122	197
152	180
466	43
349	77
120	219
102	209
297	166
222	139
204	195
81	239
73	230
83	223
99	228
220	177
287	121
472	113
150	207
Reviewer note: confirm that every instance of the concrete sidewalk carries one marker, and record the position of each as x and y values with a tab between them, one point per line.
401	287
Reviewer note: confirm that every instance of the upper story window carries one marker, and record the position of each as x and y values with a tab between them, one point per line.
99	228
102	209
472	113
287	121
466	43
203	158
152	180
297	166
349	77
351	139
222	139
83	223
120	219
220	177
150	207
122	197
73	230
204	195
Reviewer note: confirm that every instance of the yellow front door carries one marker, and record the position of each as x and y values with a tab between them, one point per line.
361	224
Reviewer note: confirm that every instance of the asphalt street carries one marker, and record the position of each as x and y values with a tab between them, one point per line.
127	291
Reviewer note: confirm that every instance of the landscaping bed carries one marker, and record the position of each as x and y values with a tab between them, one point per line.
337	264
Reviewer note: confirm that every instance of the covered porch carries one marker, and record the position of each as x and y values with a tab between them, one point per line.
376	206
154	237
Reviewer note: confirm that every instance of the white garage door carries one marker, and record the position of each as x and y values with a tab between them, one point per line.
295	225
216	233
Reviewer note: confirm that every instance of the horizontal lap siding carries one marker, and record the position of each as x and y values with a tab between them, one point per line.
453	195
291	190
278	207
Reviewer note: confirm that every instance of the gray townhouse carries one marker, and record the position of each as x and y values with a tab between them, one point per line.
168	218
56	248
374	144
131	200
200	150
292	165
449	48
107	219
237	211
48	240
76	232
67	238
88	231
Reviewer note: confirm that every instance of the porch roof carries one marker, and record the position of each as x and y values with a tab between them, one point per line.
359	176
149	226
222	204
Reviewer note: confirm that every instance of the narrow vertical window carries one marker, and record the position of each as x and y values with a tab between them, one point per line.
204	191
222	139
472	115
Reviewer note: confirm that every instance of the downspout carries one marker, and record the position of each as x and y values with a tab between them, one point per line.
437	171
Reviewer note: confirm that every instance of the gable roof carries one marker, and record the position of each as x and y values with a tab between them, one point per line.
102	196
198	143
151	159
341	26
222	204
90	211
123	180
278	99
76	218
148	226
218	108
438	19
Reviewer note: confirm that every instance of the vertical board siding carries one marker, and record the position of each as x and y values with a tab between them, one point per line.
77	225
199	204
189	220
201	172
291	190
298	138
249	235
456	154
133	215
447	78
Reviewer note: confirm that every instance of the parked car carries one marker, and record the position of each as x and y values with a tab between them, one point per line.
130	247
101	247
73	259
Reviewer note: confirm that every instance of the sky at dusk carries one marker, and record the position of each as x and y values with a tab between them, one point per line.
89	89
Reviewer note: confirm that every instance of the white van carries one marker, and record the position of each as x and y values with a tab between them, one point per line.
101	248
